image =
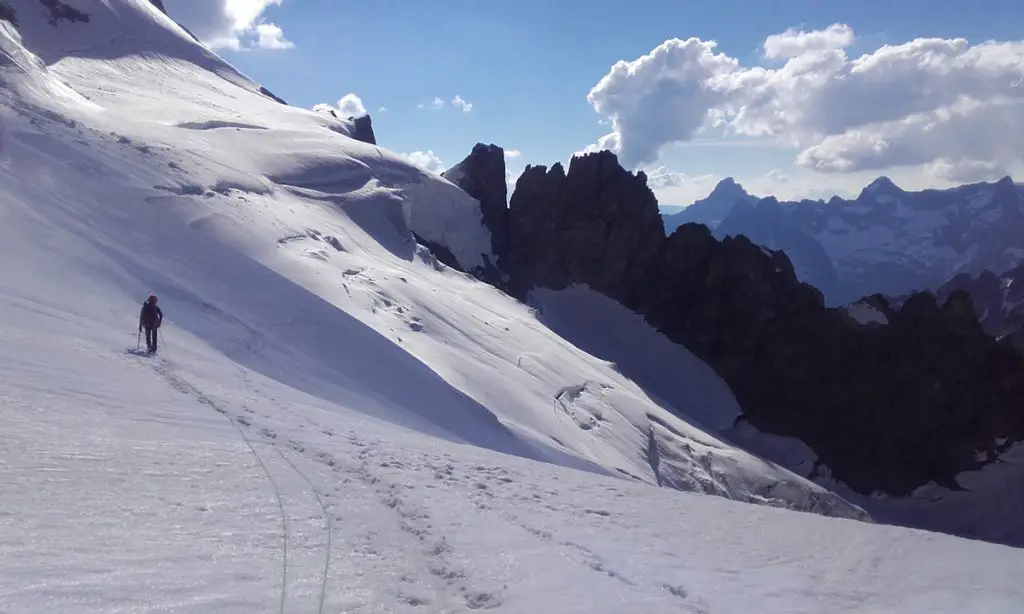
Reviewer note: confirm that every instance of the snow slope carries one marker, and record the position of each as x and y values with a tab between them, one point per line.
286	246
336	422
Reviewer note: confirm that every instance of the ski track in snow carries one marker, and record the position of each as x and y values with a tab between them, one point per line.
293	503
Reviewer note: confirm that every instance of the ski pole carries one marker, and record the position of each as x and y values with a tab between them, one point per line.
138	342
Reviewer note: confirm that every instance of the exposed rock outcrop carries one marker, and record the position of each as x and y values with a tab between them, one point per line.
7	14
597	224
160	5
917	396
482	175
59	11
363	129
999	302
358	128
268	93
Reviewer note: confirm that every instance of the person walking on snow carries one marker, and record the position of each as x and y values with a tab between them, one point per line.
150	319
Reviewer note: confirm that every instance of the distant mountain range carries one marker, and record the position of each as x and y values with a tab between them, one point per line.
887	240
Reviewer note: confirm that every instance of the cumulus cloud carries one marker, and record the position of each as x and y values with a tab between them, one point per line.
776	174
229	24
427	160
269	36
966	171
923	102
350	105
513	153
459	103
660	178
794	43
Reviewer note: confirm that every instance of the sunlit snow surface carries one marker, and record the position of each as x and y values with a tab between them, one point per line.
336	422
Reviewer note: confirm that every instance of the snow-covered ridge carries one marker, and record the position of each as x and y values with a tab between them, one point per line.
284	245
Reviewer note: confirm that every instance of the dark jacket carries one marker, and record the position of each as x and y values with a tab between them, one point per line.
151	316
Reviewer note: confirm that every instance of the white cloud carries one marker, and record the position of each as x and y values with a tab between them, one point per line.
510	176
661	177
966	171
427	160
776	174
269	36
459	103
229	24
925	102
436	104
350	105
382	109
793	43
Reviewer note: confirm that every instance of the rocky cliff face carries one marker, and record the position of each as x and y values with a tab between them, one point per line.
7	13
913	394
999	301
598	223
482	176
363	129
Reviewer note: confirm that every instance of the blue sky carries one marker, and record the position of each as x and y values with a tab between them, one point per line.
527	68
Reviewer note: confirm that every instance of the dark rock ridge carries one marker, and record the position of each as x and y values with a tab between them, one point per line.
766	223
999	301
59	11
363	129
482	175
7	14
160	5
264	90
888	407
596	224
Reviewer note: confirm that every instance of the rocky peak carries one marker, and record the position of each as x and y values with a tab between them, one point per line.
482	175
718	205
997	302
597	224
160	5
363	129
880	186
728	188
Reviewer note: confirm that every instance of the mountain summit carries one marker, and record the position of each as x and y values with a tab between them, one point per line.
713	209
